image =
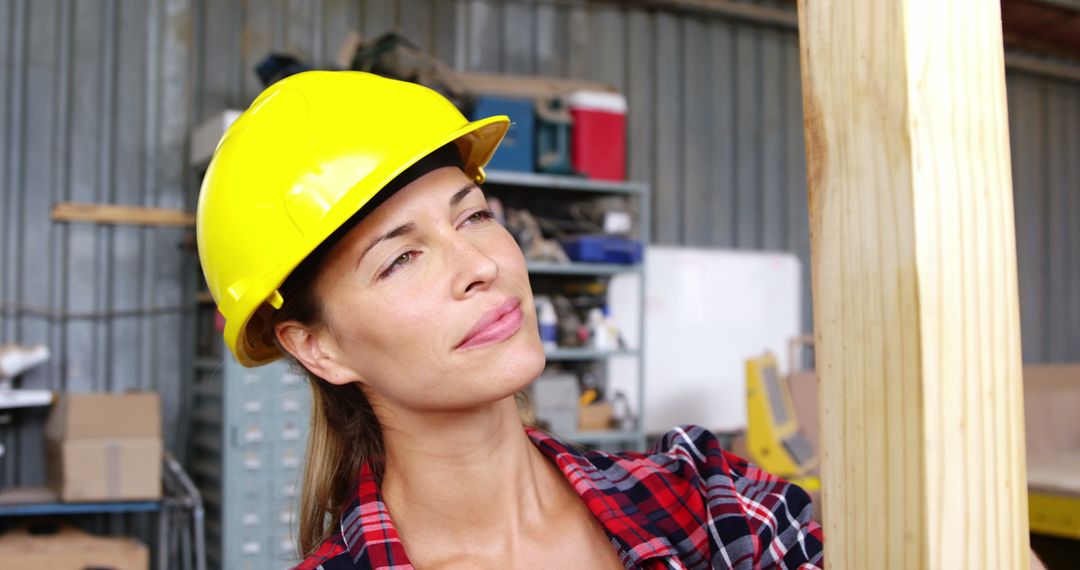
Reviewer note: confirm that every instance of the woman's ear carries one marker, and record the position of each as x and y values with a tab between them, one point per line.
315	350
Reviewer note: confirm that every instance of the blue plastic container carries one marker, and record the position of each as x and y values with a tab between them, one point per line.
517	151
603	249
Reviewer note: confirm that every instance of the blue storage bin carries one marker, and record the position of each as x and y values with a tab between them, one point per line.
517	150
603	249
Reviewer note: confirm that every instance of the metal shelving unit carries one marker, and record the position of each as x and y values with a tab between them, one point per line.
572	354
550	268
535	183
562	182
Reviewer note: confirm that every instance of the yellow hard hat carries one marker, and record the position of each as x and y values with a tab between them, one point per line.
308	154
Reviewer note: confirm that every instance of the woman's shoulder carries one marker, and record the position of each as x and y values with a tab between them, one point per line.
695	451
690	453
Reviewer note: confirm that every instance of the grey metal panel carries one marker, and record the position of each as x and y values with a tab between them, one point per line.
577	40
748	135
377	16
1058	220
444	30
798	218
607	46
696	153
1070	302
1027	123
261	31
1073	294
774	84
517	31
417	22
667	119
548	47
483	40
641	87
722	133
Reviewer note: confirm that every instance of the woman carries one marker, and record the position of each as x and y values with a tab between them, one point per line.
340	224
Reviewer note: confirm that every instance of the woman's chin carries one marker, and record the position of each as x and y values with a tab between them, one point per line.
523	362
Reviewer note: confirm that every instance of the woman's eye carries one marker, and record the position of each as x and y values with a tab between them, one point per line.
398	263
480	216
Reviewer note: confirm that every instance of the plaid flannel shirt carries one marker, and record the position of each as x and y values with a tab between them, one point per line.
688	504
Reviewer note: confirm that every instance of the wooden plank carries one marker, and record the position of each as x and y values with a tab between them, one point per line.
728	8
915	286
527	86
121	215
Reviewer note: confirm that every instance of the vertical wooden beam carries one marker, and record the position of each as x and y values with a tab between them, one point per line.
914	282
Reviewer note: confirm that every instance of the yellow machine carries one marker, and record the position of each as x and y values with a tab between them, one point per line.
772	434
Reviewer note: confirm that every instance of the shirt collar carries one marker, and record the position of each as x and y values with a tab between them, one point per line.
368	529
601	489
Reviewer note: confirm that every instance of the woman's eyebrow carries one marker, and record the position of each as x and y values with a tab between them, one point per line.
396	232
410	226
461	194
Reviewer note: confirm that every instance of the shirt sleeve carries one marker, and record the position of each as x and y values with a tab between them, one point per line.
752	513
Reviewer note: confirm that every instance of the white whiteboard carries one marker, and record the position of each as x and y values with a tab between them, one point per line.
706	312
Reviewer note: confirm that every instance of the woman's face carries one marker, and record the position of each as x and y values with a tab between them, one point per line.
427	301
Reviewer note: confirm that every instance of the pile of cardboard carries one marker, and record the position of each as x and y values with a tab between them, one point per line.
67	548
105	447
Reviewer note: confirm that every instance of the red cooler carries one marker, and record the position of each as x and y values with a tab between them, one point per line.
598	143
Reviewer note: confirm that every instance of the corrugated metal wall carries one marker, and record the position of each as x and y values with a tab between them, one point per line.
94	107
97	99
1044	123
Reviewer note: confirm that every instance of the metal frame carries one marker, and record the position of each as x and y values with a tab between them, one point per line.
638	191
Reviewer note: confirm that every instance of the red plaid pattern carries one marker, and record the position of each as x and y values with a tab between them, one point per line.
687	504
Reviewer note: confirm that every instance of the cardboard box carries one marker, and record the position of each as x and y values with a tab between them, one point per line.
596	416
70	549
105	447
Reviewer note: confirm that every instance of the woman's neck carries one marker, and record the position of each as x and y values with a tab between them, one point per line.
469	475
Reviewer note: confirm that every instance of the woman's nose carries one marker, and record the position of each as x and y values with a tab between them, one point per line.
473	269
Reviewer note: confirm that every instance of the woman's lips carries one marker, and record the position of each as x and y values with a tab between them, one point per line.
496	325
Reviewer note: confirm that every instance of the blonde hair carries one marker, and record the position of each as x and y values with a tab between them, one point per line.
343	431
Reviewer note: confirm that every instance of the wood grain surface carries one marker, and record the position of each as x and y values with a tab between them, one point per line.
914	283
